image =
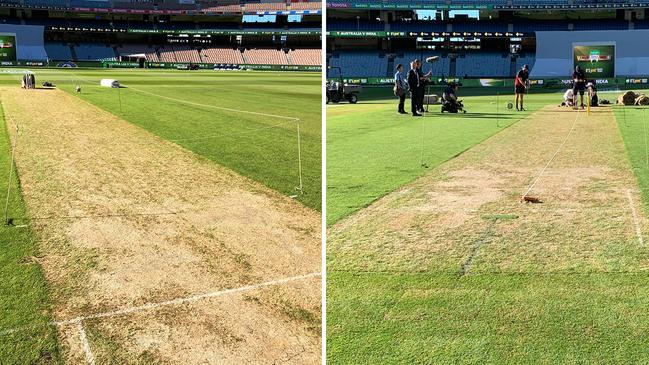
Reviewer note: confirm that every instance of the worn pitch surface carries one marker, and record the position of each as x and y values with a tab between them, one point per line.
432	254
125	218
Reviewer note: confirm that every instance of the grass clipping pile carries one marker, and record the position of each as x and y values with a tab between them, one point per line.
631	98
125	219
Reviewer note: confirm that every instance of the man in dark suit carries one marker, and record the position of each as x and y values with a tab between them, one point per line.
423	81
415	86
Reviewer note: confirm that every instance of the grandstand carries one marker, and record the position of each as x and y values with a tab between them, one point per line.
170	7
474	39
165	33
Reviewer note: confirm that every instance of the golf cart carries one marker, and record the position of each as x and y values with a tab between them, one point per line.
337	90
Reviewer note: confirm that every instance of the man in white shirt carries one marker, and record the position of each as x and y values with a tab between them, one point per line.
568	98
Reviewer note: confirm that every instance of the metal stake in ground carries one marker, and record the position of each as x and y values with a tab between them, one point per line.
11	169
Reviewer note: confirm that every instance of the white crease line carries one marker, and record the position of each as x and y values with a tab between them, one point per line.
553	157
638	233
178	301
90	358
194	298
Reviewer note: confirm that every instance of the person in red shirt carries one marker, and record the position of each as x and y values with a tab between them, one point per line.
520	86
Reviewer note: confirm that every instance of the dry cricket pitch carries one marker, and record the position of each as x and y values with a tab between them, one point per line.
155	255
591	218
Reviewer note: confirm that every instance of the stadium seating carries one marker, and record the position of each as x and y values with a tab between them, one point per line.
472	64
208	6
89	4
94	52
440	67
483	64
134	49
305	57
231	8
310	5
485	3
362	25
167	55
187	55
265	57
266	6
153	57
58	51
525	26
361	63
222	55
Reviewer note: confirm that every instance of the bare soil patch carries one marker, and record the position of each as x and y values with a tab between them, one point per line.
125	218
585	222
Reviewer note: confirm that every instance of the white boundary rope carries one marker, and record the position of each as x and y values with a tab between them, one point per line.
574	123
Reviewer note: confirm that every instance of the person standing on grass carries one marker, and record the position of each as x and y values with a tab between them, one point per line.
520	86
578	85
400	89
414	84
423	81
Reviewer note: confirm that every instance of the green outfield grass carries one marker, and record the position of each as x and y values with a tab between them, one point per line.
429	318
593	314
633	122
24	297
183	106
371	150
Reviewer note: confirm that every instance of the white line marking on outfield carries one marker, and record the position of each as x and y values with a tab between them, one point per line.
198	104
638	233
90	358
574	123
214	106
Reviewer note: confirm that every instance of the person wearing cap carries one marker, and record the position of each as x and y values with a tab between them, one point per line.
520	86
578	85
